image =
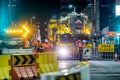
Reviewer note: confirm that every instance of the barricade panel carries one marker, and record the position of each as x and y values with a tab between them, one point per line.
42	69
2	76
74	76
45	58
24	66
55	66
5	68
40	58
47	68
52	68
40	61
55	58
50	57
24	59
34	69
16	74
29	72
23	72
47	63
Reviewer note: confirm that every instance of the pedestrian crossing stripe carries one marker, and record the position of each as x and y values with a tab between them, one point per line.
74	76
19	60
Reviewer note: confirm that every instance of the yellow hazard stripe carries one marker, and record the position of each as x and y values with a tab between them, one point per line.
25	59
74	76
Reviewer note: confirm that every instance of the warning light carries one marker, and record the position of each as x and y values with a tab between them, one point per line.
84	62
111	34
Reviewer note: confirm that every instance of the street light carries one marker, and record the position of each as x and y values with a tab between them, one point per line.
71	6
31	20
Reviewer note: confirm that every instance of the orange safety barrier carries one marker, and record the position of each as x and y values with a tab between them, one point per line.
27	72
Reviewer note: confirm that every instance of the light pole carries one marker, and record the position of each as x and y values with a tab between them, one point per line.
11	13
31	20
71	6
38	34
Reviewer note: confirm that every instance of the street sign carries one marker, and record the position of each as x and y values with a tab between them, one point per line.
87	52
105	47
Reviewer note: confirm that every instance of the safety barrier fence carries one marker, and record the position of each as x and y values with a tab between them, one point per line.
27	66
47	62
23	66
80	72
5	67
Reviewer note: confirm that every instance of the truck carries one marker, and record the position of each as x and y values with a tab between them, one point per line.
65	32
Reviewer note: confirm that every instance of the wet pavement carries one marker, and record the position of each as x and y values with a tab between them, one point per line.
99	70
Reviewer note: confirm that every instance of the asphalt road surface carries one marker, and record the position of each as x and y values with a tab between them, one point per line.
99	70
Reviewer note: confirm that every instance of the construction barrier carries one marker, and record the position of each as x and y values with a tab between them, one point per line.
74	76
47	62
80	72
5	67
23	59
27	66
24	67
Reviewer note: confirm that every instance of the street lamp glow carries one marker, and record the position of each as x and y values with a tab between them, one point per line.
70	6
33	17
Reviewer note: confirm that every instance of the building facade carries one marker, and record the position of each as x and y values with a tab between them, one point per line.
78	6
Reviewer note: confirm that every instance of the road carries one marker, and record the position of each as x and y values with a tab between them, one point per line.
99	70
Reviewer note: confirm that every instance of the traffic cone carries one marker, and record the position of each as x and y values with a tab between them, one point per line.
116	58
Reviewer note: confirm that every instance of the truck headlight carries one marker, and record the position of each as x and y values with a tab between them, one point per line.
63	51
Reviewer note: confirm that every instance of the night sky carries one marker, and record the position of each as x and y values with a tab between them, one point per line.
38	8
43	10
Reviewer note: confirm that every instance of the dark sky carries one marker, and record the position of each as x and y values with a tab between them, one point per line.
38	8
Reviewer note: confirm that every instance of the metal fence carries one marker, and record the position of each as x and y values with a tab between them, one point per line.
105	55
